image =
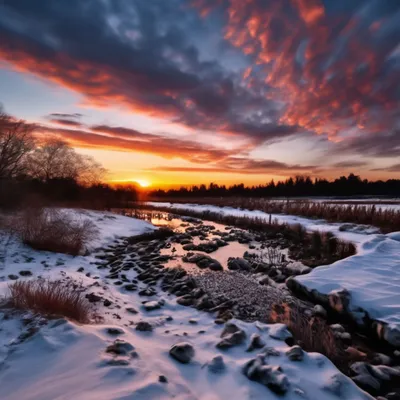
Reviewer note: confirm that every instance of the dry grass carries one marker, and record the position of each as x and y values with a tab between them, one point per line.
50	229
313	334
50	298
388	220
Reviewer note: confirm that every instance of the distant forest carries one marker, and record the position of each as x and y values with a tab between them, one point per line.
298	186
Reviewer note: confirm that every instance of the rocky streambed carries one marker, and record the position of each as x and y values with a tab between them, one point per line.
239	274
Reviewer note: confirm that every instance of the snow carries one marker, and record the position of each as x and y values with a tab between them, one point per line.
110	226
372	276
65	360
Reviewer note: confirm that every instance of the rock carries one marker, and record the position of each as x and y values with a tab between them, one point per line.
120	347
296	353
271	352
152	305
380	358
297	268
25	273
182	352
144	326
115	331
270	376
204	303
107	303
385	373
186	300
231	336
320	311
117	362
216	365
256	342
238	264
132	310
367	382
343	336
215	266
337	328
193	321
147	292
162	379
93	298
130	287
13	277
393	396
279	332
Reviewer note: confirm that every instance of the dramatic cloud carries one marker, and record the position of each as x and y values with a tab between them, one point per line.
124	139
350	164
335	63
244	166
137	55
262	71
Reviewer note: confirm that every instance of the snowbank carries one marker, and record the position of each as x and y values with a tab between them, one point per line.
373	279
63	360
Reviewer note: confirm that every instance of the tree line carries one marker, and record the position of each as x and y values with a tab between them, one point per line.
299	186
51	169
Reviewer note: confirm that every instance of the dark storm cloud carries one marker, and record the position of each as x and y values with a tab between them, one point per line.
140	54
350	164
320	66
385	145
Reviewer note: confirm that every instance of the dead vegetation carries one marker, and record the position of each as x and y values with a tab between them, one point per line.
50	299
51	229
313	334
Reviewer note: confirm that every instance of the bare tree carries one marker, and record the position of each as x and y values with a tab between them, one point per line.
16	141
56	159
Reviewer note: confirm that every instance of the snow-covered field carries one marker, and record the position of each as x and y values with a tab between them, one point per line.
372	276
64	360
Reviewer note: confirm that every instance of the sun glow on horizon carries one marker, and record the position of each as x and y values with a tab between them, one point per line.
142	182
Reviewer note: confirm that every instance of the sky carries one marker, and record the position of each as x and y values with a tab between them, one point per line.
170	92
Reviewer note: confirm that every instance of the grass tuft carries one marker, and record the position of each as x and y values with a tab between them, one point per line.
50	229
50	298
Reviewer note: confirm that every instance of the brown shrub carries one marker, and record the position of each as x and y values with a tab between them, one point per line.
51	229
313	334
50	298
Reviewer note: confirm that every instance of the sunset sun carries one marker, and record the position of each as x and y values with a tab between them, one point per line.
143	183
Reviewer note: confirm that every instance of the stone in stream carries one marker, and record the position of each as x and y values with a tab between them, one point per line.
238	264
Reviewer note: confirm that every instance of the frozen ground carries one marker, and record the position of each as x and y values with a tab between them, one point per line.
64	360
372	276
